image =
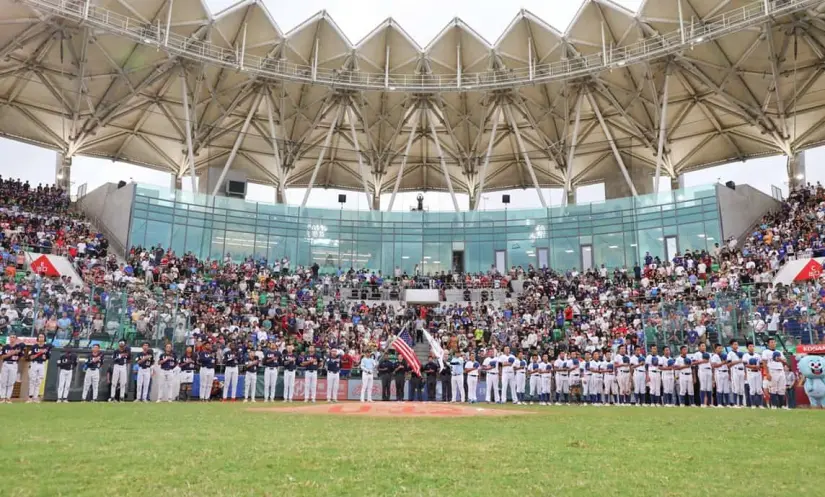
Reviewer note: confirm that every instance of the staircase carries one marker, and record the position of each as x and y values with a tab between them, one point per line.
422	351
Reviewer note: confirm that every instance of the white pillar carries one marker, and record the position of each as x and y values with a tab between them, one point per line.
410	139
443	163
255	102
568	179
188	123
525	155
321	155
496	116
662	132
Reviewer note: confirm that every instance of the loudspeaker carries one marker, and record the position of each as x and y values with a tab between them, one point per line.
731	185
342	199
505	199
121	184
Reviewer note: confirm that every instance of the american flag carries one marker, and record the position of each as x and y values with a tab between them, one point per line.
403	344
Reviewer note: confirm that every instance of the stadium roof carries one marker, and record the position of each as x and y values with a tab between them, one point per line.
106	78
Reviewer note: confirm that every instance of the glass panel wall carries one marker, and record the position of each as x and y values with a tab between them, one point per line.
620	232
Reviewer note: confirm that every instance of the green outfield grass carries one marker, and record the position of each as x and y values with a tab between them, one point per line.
149	450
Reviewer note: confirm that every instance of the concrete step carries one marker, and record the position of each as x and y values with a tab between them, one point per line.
422	351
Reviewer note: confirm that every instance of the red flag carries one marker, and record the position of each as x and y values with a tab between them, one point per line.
43	266
811	271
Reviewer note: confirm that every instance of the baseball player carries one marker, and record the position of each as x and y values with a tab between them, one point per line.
774	364
596	379
654	376
704	371
457	382
753	366
145	359
230	373
10	355
562	378
546	380
333	375
471	368
121	360
508	376
206	359
490	366
367	370
39	354
535	379
737	374
622	365
611	388
65	364
250	379
186	373
668	368
721	375
684	372
638	364
271	360
587	377
168	362
521	377
574	365
310	364
92	377
290	361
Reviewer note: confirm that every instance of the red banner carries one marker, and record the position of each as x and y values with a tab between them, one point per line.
811	349
44	267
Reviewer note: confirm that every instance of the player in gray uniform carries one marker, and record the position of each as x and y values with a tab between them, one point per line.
721	374
654	375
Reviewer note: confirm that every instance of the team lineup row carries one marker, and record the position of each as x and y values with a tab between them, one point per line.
595	378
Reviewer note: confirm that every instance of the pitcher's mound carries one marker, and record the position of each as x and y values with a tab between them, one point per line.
406	409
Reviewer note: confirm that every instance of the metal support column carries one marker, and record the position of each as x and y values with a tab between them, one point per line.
189	156
509	113
662	132
496	116
275	151
443	163
414	120
568	178
612	143
321	155
351	117
168	22
256	101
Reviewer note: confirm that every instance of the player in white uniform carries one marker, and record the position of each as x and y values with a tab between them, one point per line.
562	378
774	364
753	367
611	389
667	366
638	363
533	371
471	368
684	375
737	374
654	376
721	373
508	376
587	379
701	359
575	376
490	366
596	378
622	364
521	377
457	364
546	380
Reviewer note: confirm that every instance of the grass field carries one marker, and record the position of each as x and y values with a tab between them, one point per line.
148	450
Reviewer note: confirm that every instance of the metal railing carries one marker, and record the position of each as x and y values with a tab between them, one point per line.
161	37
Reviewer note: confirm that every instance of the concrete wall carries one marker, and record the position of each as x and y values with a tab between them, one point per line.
742	208
209	178
615	185
109	208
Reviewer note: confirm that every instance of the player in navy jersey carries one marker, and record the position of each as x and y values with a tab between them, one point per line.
121	360
290	361
38	355
231	359
272	359
65	364
167	361
333	375
92	377
187	365
206	360
10	355
250	376
145	359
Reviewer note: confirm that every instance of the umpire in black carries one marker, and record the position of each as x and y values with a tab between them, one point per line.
431	370
385	367
446	383
399	371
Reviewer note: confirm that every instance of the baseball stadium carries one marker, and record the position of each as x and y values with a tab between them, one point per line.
583	257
